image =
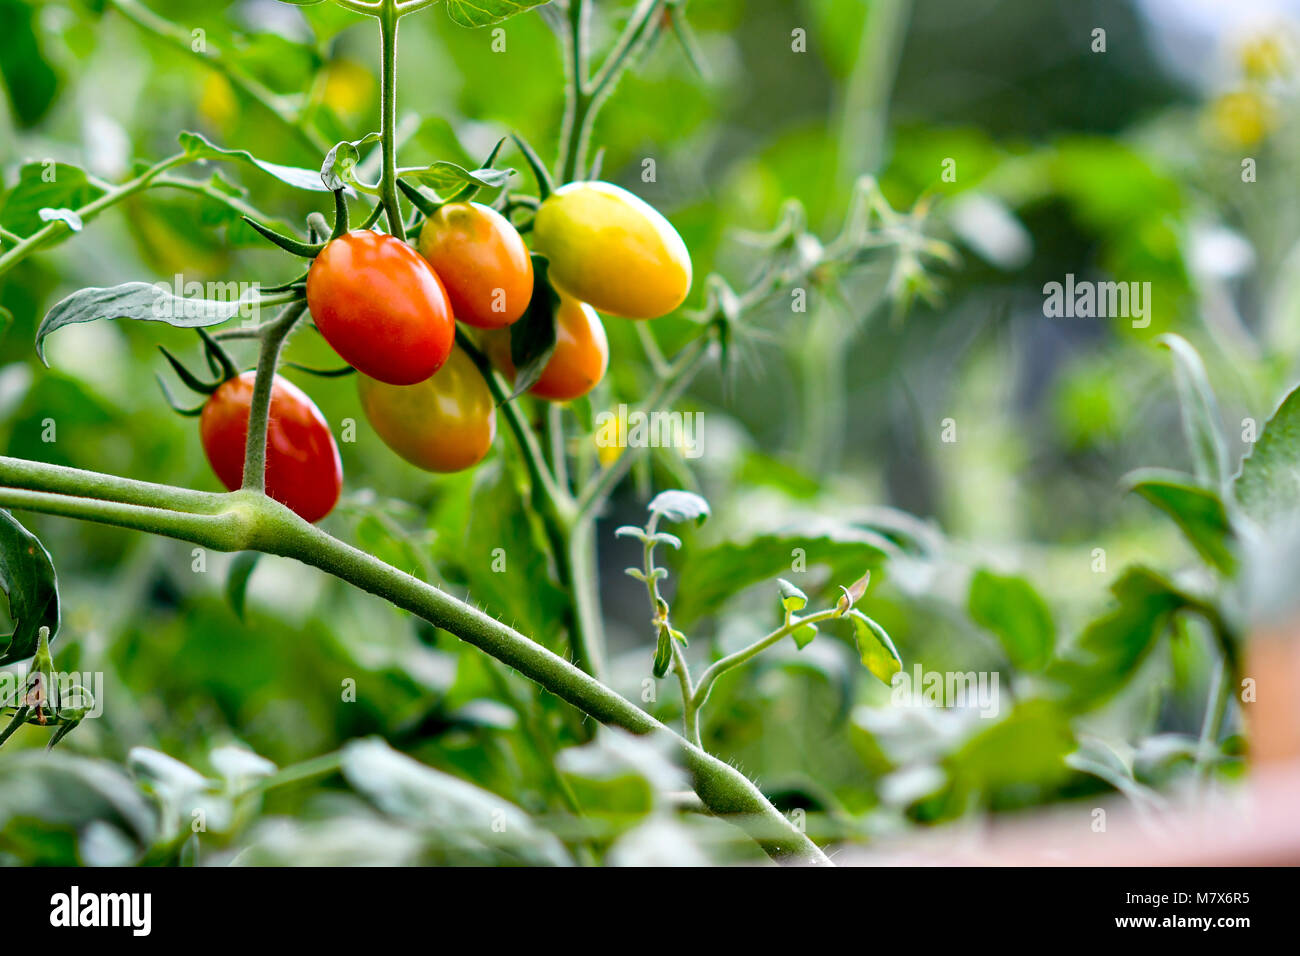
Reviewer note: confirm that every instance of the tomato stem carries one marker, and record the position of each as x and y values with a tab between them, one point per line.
241	521
388	20
260	411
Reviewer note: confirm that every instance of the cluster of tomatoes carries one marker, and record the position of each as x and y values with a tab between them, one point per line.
390	311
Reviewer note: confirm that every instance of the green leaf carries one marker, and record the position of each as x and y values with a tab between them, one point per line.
462	817
445	178
28	579
1013	611
875	648
28	76
197	146
480	13
1109	651
679	506
803	635
237	578
792	599
663	652
1268	485
339	169
532	338
852	594
140	301
44	186
1197	510
1200	412
52	804
1028	747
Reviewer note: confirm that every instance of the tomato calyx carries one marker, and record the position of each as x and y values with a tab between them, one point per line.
220	364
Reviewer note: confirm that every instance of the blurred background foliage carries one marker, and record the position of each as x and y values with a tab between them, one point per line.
1125	164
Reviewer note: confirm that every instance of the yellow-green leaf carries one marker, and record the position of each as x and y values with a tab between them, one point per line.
875	648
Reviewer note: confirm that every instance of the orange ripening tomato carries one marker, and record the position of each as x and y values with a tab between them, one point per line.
580	358
303	469
381	307
445	423
482	262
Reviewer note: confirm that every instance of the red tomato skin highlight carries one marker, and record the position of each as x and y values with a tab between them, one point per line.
381	307
303	469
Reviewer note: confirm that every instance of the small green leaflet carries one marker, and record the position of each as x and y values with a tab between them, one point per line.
27	577
1197	510
444	178
663	652
481	13
1268	485
875	648
339	169
803	635
792	599
679	506
1011	609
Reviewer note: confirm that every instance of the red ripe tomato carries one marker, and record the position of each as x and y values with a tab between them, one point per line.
381	307
580	358
303	469
482	262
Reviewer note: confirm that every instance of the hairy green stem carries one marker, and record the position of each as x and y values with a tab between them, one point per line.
721	666
388	20
29	244
575	125
252	522
259	413
658	608
583	99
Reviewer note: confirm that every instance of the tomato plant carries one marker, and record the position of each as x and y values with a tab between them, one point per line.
856	540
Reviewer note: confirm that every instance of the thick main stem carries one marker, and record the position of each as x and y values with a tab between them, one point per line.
249	521
259	414
388	20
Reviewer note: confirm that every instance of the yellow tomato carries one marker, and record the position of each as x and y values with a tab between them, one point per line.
445	423
611	249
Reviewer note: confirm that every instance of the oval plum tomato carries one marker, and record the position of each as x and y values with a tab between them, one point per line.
482	262
611	249
381	307
445	423
580	358
303	469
